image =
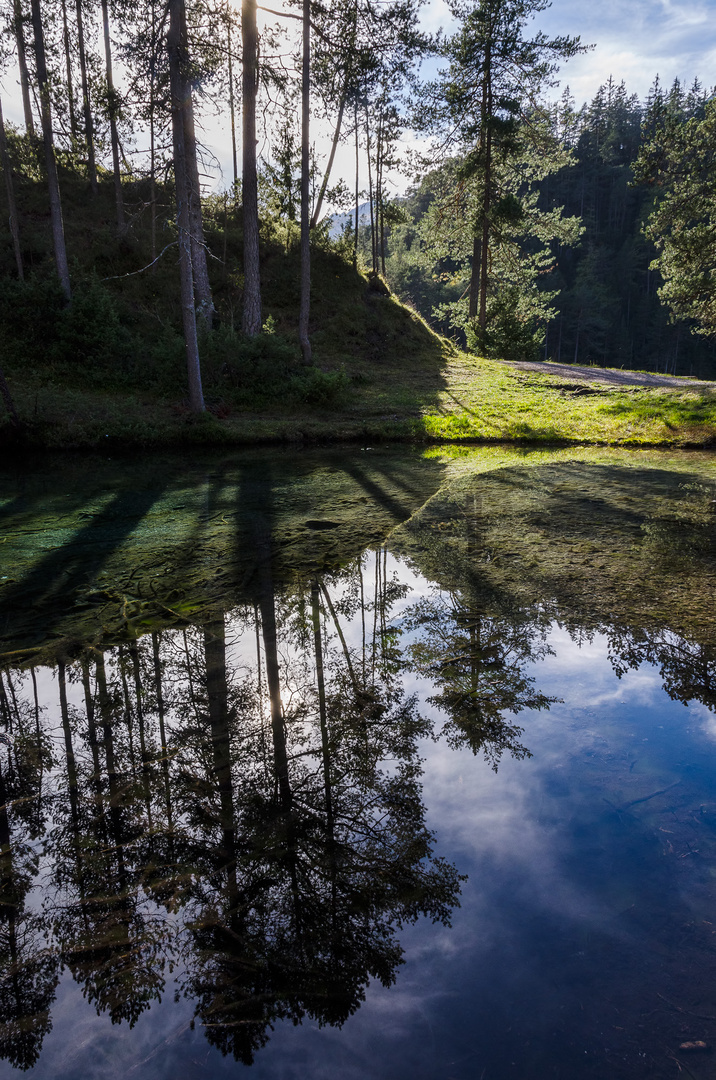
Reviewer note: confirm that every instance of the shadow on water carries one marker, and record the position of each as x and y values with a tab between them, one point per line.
219	793
177	536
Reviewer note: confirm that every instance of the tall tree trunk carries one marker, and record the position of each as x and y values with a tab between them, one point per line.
232	103
251	321
323	713
487	194
162	729
19	20
11	204
196	395
379	193
86	107
200	270
153	134
357	193
341	636
91	728
305	188
69	751
152	167
334	146
58	232
273	681
217	691
339	122
114	135
475	276
68	70
370	189
267	608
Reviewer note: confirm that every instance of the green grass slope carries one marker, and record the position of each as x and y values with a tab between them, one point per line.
109	370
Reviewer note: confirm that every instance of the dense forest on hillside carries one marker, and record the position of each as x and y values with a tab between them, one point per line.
606	307
535	230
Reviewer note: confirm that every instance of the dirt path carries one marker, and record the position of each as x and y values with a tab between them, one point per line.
612	376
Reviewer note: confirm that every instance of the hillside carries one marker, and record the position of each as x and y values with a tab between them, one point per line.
109	370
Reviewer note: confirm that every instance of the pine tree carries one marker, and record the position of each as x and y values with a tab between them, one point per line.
484	106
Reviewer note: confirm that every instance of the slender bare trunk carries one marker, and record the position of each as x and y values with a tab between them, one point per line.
341	636
91	728
196	396
153	178
162	729
217	691
68	70
200	269
305	188
379	194
86	107
11	204
339	123
323	712
251	321
69	751
370	190
58	232
357	195
152	137
331	156
19	19
487	194
273	681
475	276
114	135
232	103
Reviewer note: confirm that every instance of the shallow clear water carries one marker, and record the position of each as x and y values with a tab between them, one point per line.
416	777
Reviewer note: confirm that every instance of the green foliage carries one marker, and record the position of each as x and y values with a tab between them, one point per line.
89	332
484	111
511	333
599	301
680	161
431	260
266	370
39	329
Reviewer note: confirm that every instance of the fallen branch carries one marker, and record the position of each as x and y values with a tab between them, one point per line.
645	798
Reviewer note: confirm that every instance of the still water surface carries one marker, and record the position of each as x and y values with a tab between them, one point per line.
370	764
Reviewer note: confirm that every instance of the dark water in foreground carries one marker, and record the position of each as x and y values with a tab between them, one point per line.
364	764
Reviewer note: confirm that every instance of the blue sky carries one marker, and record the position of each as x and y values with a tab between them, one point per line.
634	40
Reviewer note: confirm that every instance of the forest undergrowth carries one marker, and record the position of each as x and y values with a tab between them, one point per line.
109	369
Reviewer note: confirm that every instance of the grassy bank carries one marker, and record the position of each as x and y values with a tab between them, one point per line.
109	371
406	395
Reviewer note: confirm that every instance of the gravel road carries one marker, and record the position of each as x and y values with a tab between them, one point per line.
612	376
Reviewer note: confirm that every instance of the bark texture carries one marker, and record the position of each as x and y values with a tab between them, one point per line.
19	21
58	232
251	319
114	134
196	396
305	307
86	107
200	269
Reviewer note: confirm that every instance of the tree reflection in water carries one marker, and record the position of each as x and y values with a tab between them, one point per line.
29	967
238	803
477	663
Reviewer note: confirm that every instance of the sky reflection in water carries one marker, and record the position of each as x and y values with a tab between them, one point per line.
583	943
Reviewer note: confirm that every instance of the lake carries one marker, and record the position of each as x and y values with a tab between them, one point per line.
371	762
